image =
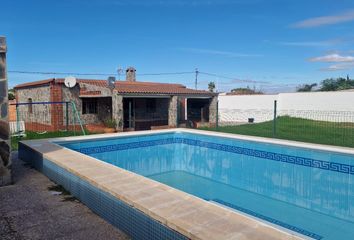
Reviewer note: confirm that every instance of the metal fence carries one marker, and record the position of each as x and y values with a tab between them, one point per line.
315	126
45	118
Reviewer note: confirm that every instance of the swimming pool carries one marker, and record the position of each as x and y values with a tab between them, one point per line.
304	190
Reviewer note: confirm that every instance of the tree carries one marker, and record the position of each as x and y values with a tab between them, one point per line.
331	84
244	91
306	87
11	95
211	86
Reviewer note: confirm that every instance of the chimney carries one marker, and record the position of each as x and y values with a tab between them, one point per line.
130	74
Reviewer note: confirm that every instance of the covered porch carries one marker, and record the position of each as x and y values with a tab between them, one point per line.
148	112
145	113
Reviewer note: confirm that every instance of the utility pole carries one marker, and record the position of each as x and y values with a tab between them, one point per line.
196	78
5	159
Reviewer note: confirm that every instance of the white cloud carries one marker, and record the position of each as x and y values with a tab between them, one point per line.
326	20
325	43
221	53
339	67
333	58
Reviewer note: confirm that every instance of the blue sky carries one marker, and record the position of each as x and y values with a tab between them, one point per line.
273	45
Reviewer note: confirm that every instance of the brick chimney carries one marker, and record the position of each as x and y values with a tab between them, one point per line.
130	74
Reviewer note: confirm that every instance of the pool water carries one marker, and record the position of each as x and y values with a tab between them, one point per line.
306	191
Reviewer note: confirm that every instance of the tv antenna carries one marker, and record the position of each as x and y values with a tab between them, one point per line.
120	71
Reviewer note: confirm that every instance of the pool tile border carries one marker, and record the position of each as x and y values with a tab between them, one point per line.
306	162
268	219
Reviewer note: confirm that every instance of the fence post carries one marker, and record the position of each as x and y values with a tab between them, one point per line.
67	115
17	122
217	114
275	119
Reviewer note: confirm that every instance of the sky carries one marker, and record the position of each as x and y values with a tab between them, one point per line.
270	45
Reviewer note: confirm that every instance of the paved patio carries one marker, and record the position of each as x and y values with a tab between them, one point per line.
33	208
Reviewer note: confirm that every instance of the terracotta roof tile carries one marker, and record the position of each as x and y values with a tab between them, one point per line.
125	87
35	83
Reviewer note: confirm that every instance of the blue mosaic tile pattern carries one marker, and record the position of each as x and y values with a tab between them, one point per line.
128	219
268	219
306	162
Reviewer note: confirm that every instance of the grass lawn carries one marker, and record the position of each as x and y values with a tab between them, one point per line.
34	135
298	129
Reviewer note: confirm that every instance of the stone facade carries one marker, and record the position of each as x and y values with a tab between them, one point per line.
173	112
103	104
117	110
5	158
54	116
213	112
41	113
73	95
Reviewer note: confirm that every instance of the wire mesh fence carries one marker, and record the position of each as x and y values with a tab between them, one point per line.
44	120
315	126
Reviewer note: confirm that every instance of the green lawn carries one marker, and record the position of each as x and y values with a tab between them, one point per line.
34	135
298	129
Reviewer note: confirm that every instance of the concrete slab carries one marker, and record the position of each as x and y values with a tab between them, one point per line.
29	210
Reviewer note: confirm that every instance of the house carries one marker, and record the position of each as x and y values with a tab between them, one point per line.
129	104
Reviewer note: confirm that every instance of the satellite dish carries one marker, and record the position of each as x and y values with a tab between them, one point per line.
70	82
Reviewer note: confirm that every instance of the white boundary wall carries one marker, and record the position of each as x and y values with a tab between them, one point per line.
326	106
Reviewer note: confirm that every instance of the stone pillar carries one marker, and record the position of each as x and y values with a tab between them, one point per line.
213	111
117	111
173	112
5	159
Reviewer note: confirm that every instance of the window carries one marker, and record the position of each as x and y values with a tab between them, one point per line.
89	106
30	107
151	105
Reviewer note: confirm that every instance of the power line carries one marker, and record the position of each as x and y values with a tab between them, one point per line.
196	72
231	78
166	73
61	73
94	74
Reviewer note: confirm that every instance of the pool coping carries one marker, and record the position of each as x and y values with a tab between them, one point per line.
290	143
189	215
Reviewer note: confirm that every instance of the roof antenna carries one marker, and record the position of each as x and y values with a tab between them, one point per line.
120	70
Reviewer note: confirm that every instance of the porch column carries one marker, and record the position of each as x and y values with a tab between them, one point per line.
117	110
213	111
172	112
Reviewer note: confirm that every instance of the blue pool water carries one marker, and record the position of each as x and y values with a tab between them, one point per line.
307	191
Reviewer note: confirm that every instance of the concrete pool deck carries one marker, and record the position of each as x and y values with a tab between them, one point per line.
182	212
28	210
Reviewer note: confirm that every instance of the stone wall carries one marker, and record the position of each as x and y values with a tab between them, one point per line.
73	95
5	159
104	105
173	112
117	111
213	111
41	113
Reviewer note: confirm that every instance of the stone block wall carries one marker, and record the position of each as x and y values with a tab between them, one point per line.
5	159
117	111
213	111
173	112
41	113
